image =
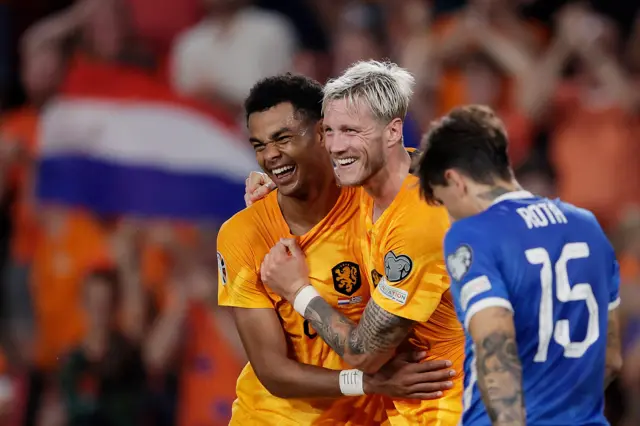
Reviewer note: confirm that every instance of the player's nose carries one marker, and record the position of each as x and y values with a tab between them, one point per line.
336	144
271	153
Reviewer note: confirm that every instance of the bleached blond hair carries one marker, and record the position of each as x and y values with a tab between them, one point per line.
382	86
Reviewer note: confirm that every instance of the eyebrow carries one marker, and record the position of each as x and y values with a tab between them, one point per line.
278	133
275	135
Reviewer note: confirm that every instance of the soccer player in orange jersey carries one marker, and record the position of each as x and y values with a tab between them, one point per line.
402	240
294	377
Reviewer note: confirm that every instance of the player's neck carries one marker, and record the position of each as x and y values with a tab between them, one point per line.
303	213
386	184
486	195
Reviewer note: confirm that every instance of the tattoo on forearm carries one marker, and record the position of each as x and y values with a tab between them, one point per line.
378	330
500	378
333	327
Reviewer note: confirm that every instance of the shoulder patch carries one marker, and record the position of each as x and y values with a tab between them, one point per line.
459	262
346	278
396	268
222	269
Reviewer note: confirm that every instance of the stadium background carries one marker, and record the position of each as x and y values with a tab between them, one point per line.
564	78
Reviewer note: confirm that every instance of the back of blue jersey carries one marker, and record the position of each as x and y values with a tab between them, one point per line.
552	265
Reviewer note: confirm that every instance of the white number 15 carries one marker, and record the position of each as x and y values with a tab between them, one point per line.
565	292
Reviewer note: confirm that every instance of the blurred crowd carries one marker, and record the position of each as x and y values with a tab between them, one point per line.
113	320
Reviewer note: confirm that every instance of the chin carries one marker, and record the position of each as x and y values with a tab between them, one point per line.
350	178
290	189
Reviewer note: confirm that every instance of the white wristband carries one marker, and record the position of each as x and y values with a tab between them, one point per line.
303	298
352	382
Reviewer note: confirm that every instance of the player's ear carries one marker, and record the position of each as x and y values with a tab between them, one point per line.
394	132
320	132
453	178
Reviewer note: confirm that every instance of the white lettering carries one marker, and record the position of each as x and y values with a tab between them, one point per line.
541	215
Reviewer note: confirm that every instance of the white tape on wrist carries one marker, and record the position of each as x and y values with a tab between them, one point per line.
352	382
303	298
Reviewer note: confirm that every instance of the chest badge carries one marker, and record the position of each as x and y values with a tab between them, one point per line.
375	277
346	278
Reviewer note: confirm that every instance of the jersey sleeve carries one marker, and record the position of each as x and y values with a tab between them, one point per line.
476	281
239	284
414	272
614	283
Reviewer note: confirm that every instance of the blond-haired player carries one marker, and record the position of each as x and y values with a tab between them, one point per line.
402	241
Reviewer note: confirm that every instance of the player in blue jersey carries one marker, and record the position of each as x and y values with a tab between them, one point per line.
535	283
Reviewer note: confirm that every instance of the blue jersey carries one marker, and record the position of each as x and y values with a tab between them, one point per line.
551	264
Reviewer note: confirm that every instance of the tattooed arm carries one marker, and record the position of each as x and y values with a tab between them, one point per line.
613	363
366	346
498	366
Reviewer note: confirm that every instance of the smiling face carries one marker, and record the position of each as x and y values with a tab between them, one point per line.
355	141
288	147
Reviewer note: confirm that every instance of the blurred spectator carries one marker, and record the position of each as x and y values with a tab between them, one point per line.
158	26
95	30
593	146
233	47
473	56
534	177
17	151
103	379
7	393
189	332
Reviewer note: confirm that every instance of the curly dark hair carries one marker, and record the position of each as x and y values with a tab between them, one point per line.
303	93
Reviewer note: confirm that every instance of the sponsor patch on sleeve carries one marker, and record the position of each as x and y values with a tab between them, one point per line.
398	295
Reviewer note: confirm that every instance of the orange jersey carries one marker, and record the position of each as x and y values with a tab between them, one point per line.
403	251
333	254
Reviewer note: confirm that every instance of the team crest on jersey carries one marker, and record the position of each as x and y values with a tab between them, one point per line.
375	277
346	278
459	262
396	268
222	269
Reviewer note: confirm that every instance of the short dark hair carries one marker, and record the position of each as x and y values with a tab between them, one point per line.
471	139
303	93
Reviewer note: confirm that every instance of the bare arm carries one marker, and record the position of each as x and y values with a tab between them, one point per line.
498	366
134	301
611	75
225	323
163	342
537	86
49	32
367	345
613	363
264	342
265	345
512	56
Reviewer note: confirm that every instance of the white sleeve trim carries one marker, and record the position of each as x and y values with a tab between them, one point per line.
490	302
614	304
473	288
